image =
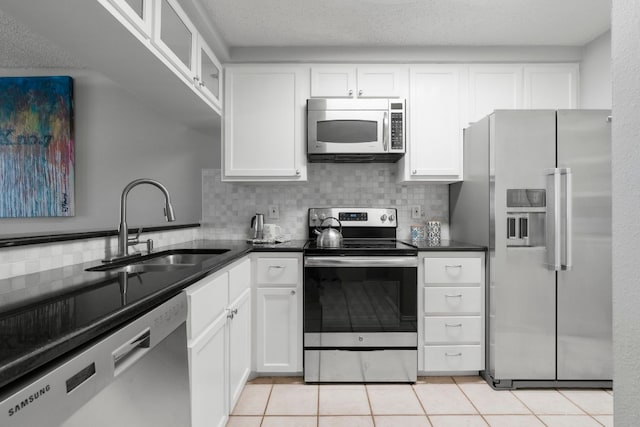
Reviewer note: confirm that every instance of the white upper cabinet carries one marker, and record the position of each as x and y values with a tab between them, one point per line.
208	76
493	87
434	137
553	86
372	81
176	36
138	12
264	123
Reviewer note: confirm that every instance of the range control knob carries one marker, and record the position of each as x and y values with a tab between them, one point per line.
314	218
383	218
392	218
322	217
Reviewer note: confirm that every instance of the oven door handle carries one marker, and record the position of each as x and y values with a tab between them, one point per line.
360	261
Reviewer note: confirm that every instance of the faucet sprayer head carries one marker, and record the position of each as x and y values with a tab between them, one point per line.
168	212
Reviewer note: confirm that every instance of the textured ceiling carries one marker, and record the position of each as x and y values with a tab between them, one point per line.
409	22
22	48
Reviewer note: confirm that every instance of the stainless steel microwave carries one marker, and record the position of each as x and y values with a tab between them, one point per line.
355	130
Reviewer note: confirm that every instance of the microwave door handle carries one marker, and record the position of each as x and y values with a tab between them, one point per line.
385	131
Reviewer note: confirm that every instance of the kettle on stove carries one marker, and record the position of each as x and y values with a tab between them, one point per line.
329	237
257	225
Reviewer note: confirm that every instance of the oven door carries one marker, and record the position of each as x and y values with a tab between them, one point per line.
356	295
347	132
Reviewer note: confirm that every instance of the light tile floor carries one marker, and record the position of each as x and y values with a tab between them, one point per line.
431	402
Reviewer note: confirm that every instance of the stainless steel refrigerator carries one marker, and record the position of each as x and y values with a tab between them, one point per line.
537	193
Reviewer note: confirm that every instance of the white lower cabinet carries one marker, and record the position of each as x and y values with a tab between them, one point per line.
219	342
278	324
451	303
207	372
239	345
277	334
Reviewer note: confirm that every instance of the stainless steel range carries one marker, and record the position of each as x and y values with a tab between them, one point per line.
360	300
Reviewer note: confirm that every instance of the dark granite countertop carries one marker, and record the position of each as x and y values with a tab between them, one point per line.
45	315
447	245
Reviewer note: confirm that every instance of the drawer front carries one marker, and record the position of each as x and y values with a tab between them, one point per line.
452	300
445	330
452	270
453	358
239	279
206	300
277	271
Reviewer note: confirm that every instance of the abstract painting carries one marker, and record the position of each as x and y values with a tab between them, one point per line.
36	147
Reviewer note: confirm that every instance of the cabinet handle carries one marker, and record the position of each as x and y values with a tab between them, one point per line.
196	79
453	354
202	84
453	296
455	325
453	266
360	92
279	267
350	92
231	314
298	172
293	292
413	172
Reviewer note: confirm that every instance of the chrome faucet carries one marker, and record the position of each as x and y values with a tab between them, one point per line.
123	232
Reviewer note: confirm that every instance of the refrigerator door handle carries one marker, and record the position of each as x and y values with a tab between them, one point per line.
567	219
553	220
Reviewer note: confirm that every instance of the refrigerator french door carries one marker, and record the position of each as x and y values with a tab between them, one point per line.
540	182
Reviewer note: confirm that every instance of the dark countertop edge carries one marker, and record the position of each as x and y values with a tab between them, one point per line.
9	242
449	246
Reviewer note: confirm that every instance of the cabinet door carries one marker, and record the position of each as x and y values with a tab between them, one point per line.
137	12
333	82
175	36
381	82
435	125
264	124
552	86
239	346
278	340
209	73
494	87
207	359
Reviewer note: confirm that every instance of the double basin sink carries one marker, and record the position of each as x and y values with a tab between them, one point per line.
162	261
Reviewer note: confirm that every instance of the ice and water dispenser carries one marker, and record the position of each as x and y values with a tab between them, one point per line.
526	210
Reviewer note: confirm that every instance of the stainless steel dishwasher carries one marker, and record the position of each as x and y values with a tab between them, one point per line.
136	376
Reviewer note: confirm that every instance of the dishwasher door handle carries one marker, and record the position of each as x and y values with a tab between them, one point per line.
130	352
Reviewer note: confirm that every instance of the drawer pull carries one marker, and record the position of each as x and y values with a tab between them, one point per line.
453	296
277	267
455	325
453	266
453	354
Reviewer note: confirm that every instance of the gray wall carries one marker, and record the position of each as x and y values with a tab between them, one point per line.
626	208
595	73
118	139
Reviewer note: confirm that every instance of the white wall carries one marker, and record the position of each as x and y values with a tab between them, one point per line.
626	208
595	73
118	139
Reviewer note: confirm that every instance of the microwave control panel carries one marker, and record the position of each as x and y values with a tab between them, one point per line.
397	125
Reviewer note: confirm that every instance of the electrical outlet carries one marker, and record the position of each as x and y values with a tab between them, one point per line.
416	212
274	212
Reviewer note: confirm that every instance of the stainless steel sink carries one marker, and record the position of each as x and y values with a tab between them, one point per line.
163	261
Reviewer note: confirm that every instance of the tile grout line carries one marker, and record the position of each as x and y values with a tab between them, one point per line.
583	409
470	401
527	406
366	391
413	387
264	412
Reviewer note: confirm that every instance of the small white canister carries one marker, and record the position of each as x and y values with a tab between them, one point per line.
434	232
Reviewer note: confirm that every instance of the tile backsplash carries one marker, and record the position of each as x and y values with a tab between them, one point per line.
28	259
228	206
